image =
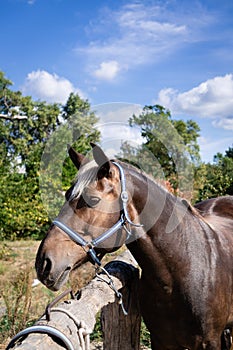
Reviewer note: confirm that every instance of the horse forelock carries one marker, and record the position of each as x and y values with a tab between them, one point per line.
86	175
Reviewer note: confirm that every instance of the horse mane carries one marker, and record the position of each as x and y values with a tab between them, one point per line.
86	175
141	172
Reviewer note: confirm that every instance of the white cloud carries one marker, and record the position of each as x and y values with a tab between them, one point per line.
210	147
107	70
137	34
49	87
116	112
114	126
211	99
146	20
224	123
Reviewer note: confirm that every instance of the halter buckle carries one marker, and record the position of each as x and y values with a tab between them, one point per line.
91	252
124	196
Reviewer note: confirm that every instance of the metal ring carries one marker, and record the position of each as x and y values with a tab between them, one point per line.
44	330
124	196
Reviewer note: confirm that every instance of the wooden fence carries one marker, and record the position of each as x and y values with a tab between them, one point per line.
68	324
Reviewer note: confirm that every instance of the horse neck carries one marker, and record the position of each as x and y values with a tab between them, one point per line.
164	237
158	210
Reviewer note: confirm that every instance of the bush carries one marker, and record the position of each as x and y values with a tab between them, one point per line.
21	211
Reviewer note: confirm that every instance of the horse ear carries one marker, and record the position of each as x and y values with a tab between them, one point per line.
78	159
102	160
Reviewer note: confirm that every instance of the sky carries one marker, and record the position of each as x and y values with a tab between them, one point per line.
177	53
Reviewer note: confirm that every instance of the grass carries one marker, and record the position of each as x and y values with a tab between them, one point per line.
20	304
17	296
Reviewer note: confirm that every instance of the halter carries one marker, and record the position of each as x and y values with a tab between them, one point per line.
121	223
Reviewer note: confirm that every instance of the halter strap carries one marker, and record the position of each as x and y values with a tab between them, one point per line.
78	239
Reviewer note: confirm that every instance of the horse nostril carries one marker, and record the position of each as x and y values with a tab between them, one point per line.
47	267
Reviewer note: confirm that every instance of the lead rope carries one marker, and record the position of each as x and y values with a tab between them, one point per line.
83	335
110	283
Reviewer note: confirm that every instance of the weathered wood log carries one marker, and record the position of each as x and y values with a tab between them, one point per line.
74	316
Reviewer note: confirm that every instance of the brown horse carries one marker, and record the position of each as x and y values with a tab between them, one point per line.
185	253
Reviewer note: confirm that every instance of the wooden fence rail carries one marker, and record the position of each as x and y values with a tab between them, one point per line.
75	319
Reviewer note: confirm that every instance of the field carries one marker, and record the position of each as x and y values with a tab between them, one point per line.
21	303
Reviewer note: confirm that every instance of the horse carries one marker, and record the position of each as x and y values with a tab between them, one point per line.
184	252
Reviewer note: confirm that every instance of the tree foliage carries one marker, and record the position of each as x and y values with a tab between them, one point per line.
77	112
170	147
218	177
25	127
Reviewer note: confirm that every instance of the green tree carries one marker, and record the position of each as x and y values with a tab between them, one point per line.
218	176
229	152
172	142
24	125
25	128
81	121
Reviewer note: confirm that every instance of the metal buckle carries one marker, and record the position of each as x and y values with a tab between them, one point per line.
124	196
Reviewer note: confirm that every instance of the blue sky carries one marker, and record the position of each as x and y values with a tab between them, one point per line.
178	53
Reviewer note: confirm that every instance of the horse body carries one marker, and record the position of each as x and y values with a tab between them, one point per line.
186	284
185	254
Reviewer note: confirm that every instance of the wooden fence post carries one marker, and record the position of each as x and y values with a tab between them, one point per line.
74	316
120	331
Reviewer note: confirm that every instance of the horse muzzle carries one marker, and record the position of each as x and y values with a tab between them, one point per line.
53	278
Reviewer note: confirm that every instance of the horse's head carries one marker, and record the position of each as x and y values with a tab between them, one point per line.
93	206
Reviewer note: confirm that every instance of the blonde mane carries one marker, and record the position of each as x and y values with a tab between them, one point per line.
86	175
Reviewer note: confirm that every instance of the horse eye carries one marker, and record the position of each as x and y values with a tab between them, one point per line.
92	201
